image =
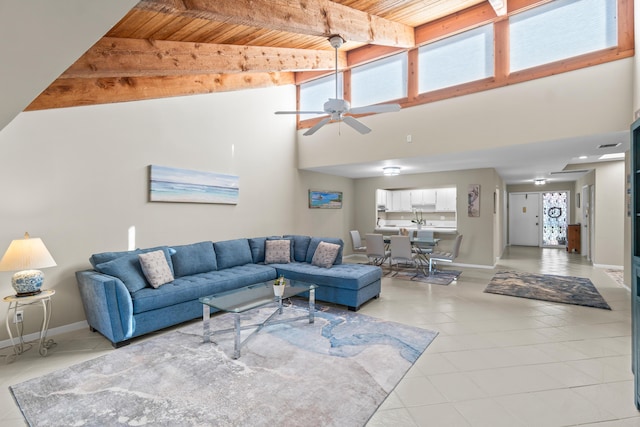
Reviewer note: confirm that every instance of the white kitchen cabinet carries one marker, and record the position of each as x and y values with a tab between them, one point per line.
423	197
381	199
399	201
446	200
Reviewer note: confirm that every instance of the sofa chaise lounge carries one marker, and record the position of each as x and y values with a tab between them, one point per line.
121	304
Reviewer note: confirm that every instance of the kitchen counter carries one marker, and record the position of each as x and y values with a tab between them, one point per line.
396	229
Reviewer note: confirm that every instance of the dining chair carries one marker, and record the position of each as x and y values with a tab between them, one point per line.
401	253
436	257
426	243
376	252
358	247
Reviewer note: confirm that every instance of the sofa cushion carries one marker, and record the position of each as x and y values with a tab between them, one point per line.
190	288
230	253
291	244
127	268
325	254
315	241
193	259
257	249
277	251
344	276
103	257
300	246
155	268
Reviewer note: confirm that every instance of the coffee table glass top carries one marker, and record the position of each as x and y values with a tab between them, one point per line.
253	296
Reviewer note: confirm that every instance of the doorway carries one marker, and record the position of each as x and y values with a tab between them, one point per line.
555	214
524	215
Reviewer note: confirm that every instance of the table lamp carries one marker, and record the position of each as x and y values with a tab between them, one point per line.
25	256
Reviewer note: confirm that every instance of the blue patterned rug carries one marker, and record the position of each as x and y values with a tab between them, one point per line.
336	371
547	287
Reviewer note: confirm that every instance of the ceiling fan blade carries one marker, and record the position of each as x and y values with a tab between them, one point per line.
356	124
300	112
379	108
317	126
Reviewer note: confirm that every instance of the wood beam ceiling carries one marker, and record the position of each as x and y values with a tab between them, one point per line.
312	17
115	57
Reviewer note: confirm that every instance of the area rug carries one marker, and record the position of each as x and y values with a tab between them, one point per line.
442	277
334	372
547	287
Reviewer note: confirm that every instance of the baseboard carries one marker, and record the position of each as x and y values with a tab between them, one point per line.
52	332
489	267
610	267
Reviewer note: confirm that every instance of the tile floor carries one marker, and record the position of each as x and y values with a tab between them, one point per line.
498	361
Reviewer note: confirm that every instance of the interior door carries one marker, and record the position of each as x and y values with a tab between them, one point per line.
524	219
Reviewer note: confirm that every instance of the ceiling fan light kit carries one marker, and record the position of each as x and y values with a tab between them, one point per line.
336	108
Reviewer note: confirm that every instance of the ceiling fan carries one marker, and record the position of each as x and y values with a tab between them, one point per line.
337	108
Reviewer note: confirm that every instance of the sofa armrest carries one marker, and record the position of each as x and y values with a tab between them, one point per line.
107	305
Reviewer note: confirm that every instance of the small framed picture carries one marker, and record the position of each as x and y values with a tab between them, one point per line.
320	199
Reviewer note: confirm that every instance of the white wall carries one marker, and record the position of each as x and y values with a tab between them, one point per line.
588	101
479	238
78	178
610	214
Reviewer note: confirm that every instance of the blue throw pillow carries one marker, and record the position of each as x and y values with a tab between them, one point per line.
127	268
193	259
257	249
300	246
231	253
315	241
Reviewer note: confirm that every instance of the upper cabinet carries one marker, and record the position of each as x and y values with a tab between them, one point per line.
400	201
446	200
424	199
381	199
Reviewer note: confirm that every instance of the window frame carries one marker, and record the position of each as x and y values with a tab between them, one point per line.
469	19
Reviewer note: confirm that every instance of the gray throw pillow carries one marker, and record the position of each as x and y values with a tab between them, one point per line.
155	268
277	252
325	254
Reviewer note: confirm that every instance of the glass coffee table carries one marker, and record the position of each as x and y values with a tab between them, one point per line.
241	300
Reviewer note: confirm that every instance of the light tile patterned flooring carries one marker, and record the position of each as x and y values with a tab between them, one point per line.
498	361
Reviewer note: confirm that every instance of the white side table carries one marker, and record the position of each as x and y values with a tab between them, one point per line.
15	302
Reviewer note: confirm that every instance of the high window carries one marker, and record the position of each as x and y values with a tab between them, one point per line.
458	59
315	93
379	81
561	29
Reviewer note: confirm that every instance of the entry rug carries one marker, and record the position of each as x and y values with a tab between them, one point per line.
547	287
334	372
442	277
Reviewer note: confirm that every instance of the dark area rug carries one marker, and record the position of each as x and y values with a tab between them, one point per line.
336	371
443	277
547	287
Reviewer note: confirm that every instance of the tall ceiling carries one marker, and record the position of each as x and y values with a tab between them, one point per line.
164	48
179	47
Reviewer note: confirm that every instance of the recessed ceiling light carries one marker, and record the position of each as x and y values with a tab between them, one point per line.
539	182
611	156
391	170
583	157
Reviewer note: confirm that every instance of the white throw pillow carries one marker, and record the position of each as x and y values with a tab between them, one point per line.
325	254
277	252
155	268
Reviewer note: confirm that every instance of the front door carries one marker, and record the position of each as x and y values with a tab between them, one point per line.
524	224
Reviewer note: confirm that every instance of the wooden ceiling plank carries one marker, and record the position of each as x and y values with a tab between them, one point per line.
78	91
112	57
312	17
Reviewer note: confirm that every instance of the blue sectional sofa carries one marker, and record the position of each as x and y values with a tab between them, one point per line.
120	304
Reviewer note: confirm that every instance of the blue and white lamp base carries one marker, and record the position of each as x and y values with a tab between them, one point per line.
27	282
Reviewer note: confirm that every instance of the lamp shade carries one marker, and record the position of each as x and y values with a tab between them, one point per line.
25	256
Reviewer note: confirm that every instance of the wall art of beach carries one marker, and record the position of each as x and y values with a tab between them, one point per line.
168	184
325	199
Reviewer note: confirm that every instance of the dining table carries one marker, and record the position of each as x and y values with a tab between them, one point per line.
422	247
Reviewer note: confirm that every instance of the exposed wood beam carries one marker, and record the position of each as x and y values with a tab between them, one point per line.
311	17
116	57
77	91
